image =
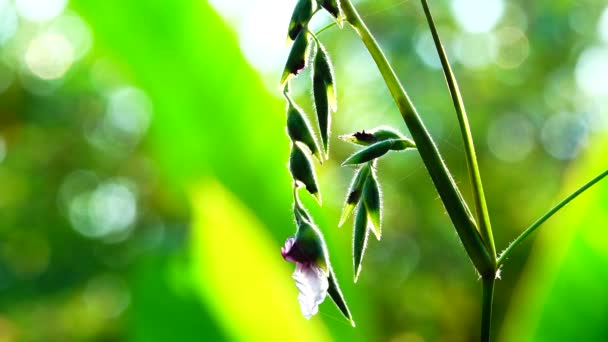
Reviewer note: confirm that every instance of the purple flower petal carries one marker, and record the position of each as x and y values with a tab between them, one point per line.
312	283
287	248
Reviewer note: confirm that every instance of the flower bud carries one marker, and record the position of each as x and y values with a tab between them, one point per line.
302	170
369	153
379	134
300	17
372	201
354	193
324	93
296	61
299	129
360	237
331	6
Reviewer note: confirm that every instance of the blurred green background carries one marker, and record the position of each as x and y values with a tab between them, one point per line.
144	194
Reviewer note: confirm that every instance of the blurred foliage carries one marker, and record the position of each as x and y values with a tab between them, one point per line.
144	194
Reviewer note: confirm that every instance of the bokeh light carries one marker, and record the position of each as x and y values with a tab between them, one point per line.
49	55
511	137
564	135
592	71
477	15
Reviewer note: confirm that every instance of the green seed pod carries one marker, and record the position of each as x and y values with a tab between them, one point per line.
336	295
372	201
324	93
354	193
299	129
296	61
360	237
374	135
331	6
302	170
371	152
300	17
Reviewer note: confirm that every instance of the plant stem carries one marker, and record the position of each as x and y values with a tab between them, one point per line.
442	179
547	215
486	308
480	201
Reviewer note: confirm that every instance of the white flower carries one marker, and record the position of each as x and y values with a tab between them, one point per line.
311	279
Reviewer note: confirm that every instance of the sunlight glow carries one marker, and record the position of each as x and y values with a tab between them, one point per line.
8	21
40	10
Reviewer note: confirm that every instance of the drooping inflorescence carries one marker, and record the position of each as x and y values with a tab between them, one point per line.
314	276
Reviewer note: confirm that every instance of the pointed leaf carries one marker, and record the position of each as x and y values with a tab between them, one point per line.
354	193
302	170
371	152
296	61
372	200
300	17
336	295
324	93
299	128
360	237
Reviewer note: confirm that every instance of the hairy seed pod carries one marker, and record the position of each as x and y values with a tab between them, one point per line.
372	200
360	237
302	170
296	61
324	93
381	133
354	193
299	129
300	17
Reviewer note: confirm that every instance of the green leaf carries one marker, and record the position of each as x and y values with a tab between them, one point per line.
336	295
302	170
354	193
296	61
324	93
300	17
360	237
299	128
372	200
369	153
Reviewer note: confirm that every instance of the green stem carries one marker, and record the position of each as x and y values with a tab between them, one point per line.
442	179
547	215
486	308
480	201
328	26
